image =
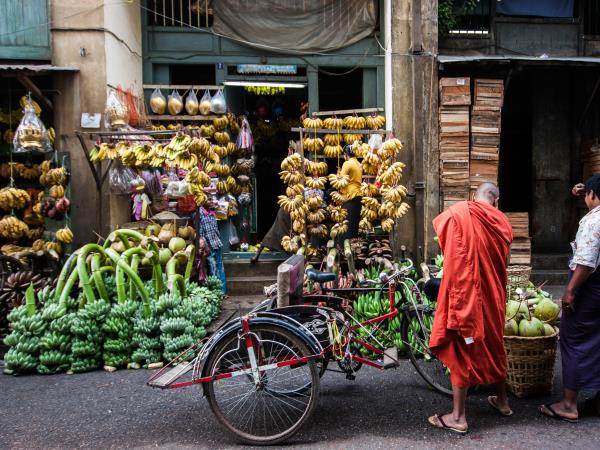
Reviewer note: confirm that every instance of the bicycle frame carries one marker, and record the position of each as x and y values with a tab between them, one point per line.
352	328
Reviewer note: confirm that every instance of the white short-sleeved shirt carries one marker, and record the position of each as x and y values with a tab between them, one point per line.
586	247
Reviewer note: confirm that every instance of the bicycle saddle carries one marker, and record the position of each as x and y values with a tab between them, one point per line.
320	277
431	288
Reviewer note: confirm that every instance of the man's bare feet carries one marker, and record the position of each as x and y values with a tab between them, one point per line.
560	410
449	422
500	404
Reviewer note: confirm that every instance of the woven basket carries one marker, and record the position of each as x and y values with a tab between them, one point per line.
518	277
530	364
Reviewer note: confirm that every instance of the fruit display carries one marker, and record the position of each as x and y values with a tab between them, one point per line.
102	313
530	314
13	198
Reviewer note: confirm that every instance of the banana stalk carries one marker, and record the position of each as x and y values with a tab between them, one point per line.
135	261
175	281
64	275
121	263
96	265
191	254
84	276
68	286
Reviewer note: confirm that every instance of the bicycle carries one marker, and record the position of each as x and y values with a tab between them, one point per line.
261	372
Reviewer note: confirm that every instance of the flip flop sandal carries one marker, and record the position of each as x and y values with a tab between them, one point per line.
444	426
554	415
492	401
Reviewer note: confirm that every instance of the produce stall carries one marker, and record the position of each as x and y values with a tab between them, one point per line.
136	307
35	225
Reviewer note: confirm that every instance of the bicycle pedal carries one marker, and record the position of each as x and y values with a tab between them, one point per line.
390	358
350	377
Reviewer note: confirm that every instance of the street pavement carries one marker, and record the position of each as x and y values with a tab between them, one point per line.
379	410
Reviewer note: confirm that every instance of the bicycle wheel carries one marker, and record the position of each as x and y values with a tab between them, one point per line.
274	407
431	369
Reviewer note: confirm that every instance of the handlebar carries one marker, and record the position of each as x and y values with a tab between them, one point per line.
386	279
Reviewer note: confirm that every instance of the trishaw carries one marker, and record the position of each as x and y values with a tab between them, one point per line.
261	371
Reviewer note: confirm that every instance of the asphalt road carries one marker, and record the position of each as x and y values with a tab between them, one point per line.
377	410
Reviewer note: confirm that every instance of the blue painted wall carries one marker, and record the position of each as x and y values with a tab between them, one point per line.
24	30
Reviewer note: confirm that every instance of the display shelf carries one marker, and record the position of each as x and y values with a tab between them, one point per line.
212	87
347	111
341	131
196	118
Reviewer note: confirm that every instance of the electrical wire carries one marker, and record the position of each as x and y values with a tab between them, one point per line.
101	30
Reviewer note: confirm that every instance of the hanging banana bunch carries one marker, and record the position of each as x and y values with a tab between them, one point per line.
375	122
333	123
354	122
310	122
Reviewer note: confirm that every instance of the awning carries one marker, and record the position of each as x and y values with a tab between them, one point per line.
534	60
37	69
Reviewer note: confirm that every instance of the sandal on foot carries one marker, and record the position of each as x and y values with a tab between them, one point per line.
492	401
548	411
442	425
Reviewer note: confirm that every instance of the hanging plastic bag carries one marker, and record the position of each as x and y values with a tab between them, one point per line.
217	103
233	236
158	102
375	142
31	133
244	140
115	113
191	103
204	106
120	179
175	103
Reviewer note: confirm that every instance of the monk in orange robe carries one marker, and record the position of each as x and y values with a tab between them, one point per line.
468	327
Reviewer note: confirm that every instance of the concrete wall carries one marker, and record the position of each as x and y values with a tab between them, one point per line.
414	69
111	36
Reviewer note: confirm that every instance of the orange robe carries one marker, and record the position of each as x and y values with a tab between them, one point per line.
475	238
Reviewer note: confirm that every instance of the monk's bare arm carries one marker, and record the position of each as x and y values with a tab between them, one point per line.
580	275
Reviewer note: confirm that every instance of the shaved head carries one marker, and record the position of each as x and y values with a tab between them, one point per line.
488	193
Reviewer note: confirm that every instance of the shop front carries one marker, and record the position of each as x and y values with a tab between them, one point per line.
272	87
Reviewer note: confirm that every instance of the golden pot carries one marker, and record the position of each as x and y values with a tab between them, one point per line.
117	116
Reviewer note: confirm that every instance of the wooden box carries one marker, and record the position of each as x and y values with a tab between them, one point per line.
520	251
485	120
454	121
481	171
489	92
455	91
454	174
520	224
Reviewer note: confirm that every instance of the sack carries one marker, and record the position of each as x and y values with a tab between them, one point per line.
175	103
233	236
191	103
217	103
158	102
204	106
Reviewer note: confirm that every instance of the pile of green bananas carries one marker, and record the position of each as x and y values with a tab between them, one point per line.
86	348
55	351
146	338
118	332
24	341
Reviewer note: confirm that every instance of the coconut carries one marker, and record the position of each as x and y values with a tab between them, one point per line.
511	328
176	244
164	254
186	233
166	234
546	310
548	330
512	309
152	230
533	327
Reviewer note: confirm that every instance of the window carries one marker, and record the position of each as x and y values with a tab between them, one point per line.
180	13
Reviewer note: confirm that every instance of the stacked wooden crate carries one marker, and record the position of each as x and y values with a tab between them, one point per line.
455	101
485	131
520	250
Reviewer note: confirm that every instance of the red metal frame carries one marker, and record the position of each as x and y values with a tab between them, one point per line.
289	362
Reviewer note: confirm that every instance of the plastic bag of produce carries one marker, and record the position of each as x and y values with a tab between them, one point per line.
204	106
233	235
120	179
115	112
158	102
245	141
191	103
175	103
375	142
217	103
